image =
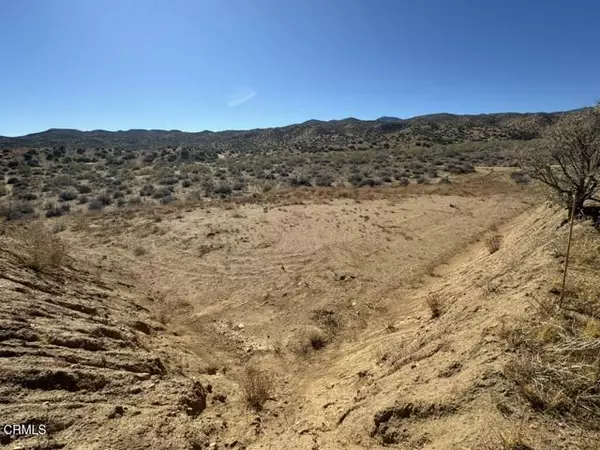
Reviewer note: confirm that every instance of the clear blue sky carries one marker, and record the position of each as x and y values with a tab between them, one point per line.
234	64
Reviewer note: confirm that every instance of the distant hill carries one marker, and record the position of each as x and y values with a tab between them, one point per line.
442	128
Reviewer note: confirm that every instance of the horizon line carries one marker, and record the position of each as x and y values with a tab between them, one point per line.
206	130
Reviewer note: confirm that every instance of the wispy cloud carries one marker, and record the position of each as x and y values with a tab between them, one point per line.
240	98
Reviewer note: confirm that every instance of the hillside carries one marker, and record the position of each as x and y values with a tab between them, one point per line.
434	128
61	171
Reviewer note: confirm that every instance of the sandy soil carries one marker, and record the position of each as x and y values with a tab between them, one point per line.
191	296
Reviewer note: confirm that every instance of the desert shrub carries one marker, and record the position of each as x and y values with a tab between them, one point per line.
84	189
82	199
147	190
28	196
42	250
324	180
403	181
167	199
223	189
493	243
520	177
162	192
355	179
186	183
299	181
567	159
256	386
422	180
170	181
208	185
17	211
96	205
66	196
104	199
460	168
238	186
194	195
369	182
54	210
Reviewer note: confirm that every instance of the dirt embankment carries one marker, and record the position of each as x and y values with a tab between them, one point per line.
140	339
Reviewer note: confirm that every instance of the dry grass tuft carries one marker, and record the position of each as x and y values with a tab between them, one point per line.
43	250
310	340
511	438
493	243
317	339
434	305
556	367
257	386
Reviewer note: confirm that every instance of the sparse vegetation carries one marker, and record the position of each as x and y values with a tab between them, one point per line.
556	368
511	438
318	156
434	305
257	386
42	250
317	339
312	297
493	243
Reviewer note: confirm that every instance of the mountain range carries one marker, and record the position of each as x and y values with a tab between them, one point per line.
441	128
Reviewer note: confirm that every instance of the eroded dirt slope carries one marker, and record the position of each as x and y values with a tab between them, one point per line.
425	382
79	354
141	340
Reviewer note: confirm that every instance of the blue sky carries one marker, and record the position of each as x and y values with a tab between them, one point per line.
236	64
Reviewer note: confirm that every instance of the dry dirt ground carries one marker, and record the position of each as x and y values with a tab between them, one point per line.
142	340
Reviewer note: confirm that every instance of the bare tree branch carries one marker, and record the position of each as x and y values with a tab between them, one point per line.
568	161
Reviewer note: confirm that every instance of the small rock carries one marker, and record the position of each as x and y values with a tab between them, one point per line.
194	401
